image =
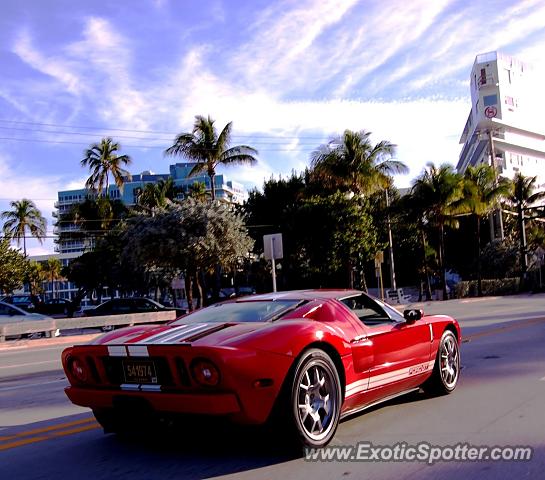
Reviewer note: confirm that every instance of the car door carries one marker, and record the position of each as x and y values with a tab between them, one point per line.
401	351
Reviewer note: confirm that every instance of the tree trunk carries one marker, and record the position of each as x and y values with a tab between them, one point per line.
442	260
350	274
199	291
425	265
479	273
363	281
189	290
212	186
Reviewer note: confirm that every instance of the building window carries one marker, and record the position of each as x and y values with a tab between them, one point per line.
489	100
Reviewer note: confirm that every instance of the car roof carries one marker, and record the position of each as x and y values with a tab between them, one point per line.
15	307
313	294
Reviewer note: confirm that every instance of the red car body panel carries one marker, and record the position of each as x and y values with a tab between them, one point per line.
255	358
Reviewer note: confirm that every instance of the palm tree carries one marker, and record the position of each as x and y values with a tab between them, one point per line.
209	150
440	190
24	217
351	162
482	192
103	161
157	195
52	271
523	197
198	191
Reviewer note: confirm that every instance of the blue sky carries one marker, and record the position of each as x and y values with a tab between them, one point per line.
289	74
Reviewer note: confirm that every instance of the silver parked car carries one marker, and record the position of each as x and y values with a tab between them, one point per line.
11	314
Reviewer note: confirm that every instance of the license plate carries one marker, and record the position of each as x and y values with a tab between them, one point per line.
139	371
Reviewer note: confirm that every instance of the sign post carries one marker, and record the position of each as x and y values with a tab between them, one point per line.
272	250
379	258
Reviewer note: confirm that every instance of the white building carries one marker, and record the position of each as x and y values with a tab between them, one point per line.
506	118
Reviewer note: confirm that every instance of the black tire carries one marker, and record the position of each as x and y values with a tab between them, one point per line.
446	370
108	420
314	384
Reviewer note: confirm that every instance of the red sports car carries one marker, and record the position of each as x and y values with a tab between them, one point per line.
306	357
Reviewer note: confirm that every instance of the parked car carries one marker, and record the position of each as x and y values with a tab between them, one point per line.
118	306
299	361
56	306
30	303
11	314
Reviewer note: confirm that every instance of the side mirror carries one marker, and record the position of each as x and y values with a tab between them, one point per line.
413	315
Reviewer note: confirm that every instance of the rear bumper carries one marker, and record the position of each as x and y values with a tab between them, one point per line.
189	403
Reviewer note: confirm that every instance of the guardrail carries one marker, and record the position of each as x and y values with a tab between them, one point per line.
49	326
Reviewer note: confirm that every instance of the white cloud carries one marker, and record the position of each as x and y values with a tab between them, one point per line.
17	184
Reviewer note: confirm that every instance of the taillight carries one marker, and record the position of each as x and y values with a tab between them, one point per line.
205	372
78	370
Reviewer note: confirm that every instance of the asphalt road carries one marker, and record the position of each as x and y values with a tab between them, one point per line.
499	401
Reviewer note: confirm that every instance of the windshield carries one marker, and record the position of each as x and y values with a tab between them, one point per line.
394	314
252	311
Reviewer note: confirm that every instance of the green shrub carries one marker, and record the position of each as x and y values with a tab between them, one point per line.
497	286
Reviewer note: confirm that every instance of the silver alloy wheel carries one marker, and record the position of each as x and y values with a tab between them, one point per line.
450	362
317	397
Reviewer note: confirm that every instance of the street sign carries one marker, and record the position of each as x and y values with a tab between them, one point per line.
490	112
272	245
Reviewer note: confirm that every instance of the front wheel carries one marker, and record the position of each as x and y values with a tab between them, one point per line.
315	400
446	370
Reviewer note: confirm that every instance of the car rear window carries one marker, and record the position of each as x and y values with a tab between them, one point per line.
253	311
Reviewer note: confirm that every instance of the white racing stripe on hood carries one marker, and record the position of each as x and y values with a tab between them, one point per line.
189	333
177	332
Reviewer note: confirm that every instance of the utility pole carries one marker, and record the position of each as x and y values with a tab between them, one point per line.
497	213
393	285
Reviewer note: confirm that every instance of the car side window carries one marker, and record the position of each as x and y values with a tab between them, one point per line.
4	310
367	310
145	306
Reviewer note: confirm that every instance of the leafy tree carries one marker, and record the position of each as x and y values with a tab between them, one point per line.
523	197
209	150
91	219
352	163
191	237
338	237
13	268
439	192
482	191
52	272
103	161
24	217
35	277
197	190
157	195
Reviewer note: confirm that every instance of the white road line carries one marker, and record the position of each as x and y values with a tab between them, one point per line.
33	363
23	349
30	385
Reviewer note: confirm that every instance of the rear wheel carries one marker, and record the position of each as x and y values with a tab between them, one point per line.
446	370
315	399
108	420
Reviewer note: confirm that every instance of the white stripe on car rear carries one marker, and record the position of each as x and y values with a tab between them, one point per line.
376	381
117	351
130	386
138	350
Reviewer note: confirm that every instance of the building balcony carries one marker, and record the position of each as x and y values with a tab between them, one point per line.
486	82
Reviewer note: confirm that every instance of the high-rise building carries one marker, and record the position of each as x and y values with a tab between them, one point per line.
505	125
225	190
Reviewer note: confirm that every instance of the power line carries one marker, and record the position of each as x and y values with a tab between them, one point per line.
130	137
57	125
30	140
